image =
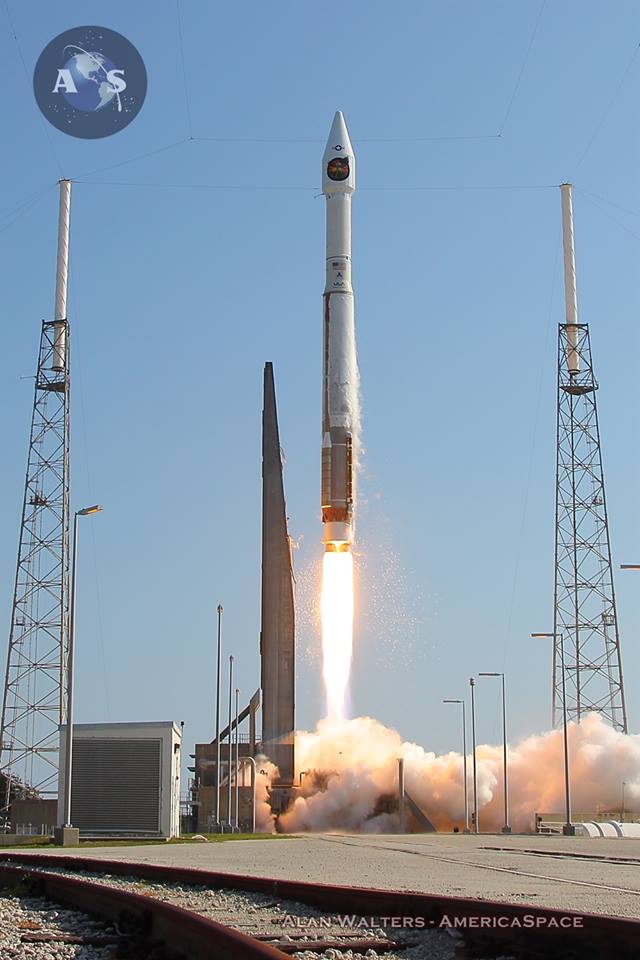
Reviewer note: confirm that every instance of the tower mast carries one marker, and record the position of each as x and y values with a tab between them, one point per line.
584	594
34	701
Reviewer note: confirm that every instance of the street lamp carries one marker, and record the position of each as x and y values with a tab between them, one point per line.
230	748
464	764
254	777
217	796
506	828
568	829
236	821
85	512
472	684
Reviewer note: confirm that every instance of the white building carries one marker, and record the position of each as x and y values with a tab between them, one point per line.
125	779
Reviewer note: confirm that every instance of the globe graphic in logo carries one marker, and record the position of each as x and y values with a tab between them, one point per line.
90	73
90	82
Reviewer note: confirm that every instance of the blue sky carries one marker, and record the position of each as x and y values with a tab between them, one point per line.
195	264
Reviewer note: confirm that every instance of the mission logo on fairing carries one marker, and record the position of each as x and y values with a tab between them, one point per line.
338	168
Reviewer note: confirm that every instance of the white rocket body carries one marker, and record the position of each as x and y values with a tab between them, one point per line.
340	369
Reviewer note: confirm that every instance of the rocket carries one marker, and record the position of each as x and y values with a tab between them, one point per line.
340	370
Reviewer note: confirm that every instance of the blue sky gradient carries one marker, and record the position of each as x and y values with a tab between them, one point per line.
195	264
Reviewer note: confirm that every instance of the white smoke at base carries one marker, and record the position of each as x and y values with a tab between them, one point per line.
266	772
351	777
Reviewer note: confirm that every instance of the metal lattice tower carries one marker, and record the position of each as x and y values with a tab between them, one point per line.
34	702
584	594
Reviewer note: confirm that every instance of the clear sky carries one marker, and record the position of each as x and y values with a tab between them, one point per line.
193	265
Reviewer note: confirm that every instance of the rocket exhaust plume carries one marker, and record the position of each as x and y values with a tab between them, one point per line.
340	420
336	608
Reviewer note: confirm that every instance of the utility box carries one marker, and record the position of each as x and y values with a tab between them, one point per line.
125	779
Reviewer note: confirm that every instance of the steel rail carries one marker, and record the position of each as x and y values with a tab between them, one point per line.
519	927
145	918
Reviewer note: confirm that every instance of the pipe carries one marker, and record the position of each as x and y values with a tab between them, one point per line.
229	749
236	819
59	359
570	292
401	803
254	777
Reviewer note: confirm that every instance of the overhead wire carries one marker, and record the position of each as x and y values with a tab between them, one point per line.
607	213
275	187
184	71
77	353
140	156
608	108
24	208
522	68
534	441
28	76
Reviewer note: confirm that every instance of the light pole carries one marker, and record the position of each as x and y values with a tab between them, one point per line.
506	828
254	777
472	684
217	796
464	764
230	747
237	765
86	512
568	829
624	783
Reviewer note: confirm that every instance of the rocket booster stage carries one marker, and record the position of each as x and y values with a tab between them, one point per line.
340	370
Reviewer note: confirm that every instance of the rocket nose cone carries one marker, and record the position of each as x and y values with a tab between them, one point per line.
338	140
338	160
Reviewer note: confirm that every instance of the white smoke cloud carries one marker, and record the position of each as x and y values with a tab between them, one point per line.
358	765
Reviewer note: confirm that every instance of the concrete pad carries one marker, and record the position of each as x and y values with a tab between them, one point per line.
593	876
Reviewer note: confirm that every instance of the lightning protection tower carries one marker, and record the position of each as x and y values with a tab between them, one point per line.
34	702
585	618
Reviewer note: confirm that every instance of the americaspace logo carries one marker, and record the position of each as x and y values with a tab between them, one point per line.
90	82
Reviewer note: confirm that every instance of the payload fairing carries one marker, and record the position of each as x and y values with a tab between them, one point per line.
340	369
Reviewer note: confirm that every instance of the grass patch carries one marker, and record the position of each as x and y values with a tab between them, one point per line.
148	841
220	837
35	841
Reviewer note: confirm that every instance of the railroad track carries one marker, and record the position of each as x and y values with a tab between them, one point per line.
167	913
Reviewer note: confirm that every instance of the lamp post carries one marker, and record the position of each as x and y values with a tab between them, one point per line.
236	819
464	764
254	777
472	684
85	512
568	829
219	653
230	747
624	783
506	828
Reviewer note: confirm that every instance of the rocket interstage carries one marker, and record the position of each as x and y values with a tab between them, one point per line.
340	368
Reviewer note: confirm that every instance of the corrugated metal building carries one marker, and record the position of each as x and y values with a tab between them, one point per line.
125	779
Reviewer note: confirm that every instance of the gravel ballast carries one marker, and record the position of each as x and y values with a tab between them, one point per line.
256	915
22	918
